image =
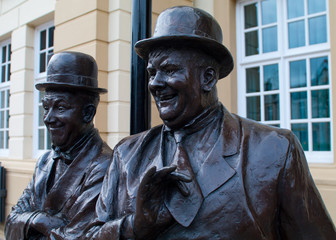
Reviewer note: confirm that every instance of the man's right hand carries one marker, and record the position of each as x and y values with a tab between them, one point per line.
151	215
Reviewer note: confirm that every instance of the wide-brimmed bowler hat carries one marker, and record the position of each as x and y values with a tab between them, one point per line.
189	27
71	71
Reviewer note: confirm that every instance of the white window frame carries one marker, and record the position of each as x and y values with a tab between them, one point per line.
5	86
38	78
282	57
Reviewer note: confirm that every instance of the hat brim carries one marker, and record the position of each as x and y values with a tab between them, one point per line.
209	46
48	85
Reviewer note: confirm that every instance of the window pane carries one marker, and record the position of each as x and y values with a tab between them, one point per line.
8	72
271	77
251	43
252	80
268	11
295	8
2	99
270	39
315	6
2	143
321	136
251	15
253	107
9	52
43	40
2	119
320	103
301	131
319	71
272	111
4	52
41	139
7	119
296	34
7	102
3	73
51	37
297	72
6	139
317	30
42	62
299	105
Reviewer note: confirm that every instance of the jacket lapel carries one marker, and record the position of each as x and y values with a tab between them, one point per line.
215	170
66	186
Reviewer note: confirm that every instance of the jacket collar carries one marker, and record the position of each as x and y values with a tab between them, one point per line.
215	170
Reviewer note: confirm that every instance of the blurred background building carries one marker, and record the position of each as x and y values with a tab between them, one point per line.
284	51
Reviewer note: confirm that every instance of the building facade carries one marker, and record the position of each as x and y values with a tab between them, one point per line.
284	54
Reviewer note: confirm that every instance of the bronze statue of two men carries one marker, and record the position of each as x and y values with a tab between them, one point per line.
204	174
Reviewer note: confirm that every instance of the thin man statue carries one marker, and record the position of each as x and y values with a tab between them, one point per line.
61	197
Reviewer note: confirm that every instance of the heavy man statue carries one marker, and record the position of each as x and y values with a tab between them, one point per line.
61	197
205	173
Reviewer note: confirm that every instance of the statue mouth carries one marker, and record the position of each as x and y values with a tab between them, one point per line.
166	98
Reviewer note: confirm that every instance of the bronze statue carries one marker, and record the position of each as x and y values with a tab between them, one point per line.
61	197
205	173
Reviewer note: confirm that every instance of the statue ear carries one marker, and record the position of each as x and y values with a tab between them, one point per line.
209	79
89	112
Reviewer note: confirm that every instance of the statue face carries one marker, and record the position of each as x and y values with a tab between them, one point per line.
175	85
63	118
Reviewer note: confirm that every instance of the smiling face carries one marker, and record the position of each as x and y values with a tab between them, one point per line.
63	117
175	83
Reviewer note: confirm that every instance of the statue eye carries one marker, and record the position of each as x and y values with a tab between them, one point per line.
61	108
151	72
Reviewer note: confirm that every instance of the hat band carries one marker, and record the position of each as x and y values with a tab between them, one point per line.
180	30
72	79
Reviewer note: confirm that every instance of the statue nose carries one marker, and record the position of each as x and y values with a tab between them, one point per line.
49	117
157	82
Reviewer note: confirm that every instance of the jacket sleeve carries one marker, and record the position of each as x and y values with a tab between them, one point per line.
17	222
302	212
108	225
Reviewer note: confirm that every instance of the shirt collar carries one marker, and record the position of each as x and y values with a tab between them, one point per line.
69	155
199	122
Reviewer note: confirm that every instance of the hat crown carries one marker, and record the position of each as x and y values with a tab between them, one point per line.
71	70
73	65
189	21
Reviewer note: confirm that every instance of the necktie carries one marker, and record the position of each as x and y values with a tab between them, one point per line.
184	208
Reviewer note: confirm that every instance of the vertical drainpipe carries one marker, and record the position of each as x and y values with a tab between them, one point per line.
140	98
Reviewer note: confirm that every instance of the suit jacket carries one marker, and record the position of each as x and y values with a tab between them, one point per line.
72	197
255	182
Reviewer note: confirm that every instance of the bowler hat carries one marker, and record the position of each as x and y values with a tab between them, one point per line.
189	27
71	70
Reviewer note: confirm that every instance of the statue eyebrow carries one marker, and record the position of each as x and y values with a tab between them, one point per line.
168	63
